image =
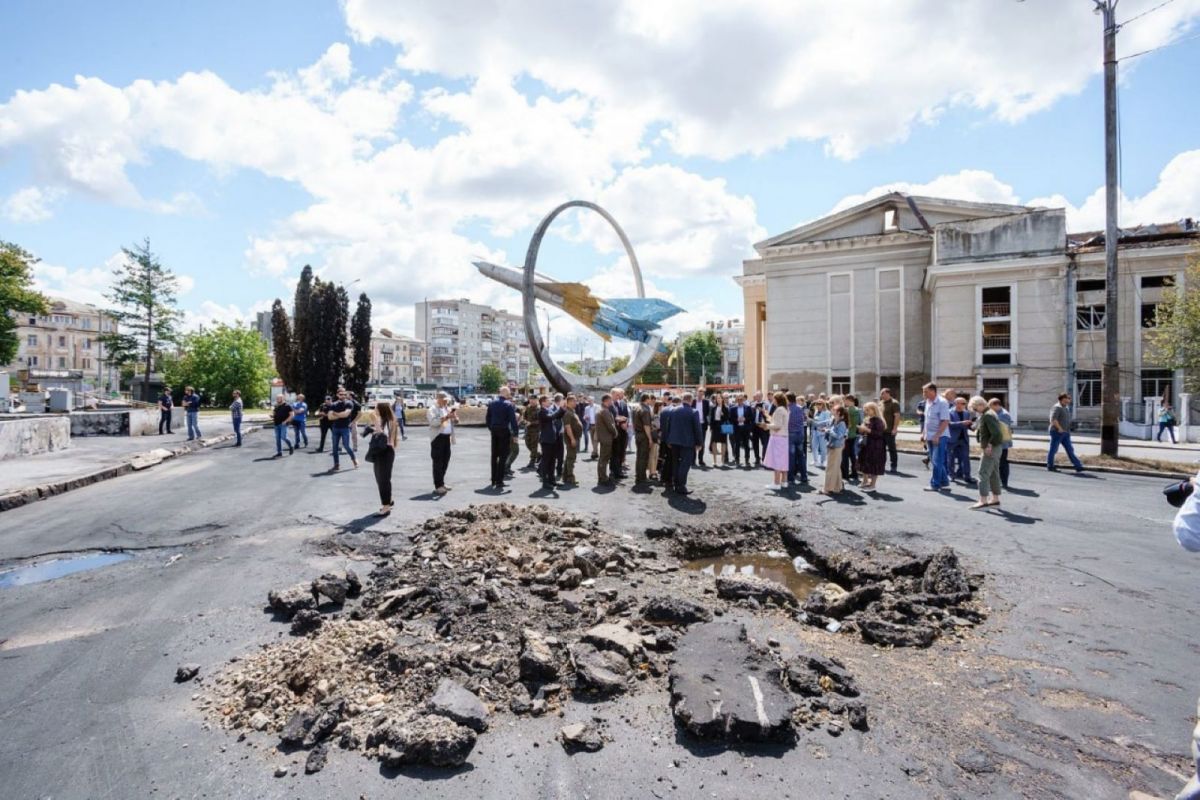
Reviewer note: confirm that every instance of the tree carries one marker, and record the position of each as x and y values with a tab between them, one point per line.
222	359
281	338
16	296
701	355
303	362
359	371
655	371
490	379
616	364
144	295
1175	339
328	316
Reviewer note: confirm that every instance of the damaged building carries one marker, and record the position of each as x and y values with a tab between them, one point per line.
990	298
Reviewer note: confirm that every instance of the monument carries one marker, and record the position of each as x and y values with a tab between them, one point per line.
634	318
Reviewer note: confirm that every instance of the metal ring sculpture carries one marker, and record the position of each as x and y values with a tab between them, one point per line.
562	380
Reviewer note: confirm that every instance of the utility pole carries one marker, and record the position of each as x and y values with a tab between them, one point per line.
1110	378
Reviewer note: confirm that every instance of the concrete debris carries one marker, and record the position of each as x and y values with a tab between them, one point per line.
670	610
453	701
752	587
578	737
186	672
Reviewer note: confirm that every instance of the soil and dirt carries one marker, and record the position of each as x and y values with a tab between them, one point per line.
501	611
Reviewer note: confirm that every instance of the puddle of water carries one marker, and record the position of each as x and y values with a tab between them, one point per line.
796	574
49	570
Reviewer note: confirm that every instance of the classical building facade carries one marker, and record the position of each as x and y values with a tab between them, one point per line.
989	298
463	336
396	359
62	347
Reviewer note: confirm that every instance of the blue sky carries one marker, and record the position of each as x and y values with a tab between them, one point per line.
391	143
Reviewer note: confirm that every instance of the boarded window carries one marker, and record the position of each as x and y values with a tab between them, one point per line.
1087	388
1089	318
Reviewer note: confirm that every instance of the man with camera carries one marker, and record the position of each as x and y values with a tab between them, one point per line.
1187	533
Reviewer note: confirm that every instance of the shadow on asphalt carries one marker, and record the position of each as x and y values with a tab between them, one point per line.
1022	492
845	497
361	524
887	498
425	773
427	496
1009	516
686	504
702	749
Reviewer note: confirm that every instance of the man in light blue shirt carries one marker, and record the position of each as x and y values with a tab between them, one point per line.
936	435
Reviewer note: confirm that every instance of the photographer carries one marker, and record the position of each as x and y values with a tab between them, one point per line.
442	419
1187	533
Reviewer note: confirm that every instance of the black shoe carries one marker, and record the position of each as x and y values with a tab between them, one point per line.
277	455
1052	469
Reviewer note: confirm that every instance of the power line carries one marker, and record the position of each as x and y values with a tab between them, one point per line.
1144	13
1160	47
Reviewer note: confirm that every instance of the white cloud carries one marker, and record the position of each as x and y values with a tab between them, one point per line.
210	314
975	185
747	76
85	285
31	204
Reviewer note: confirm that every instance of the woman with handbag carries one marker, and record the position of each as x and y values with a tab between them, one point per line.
837	440
722	429
775	456
381	451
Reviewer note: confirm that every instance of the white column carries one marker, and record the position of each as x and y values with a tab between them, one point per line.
1150	401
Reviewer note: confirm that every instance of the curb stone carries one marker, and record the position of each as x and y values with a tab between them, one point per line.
1144	473
135	462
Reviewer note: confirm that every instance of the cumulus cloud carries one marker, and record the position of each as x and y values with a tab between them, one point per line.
974	185
84	285
747	76
31	204
209	314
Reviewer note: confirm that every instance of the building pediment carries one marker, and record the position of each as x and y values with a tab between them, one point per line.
887	214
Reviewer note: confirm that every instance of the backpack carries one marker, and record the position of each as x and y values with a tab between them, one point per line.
1005	434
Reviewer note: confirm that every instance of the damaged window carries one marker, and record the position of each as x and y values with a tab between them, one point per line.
1089	318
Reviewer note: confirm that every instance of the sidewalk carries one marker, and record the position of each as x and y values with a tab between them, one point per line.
1089	445
90	459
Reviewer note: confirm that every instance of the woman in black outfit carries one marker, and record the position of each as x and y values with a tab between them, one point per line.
385	422
323	419
718	418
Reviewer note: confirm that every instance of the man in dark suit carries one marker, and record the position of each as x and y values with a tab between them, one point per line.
683	435
705	406
620	410
666	418
501	420
742	417
606	434
759	435
550	439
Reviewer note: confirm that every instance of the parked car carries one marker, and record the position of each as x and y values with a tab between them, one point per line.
414	399
478	399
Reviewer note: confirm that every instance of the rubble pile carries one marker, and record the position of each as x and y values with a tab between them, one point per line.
514	610
886	594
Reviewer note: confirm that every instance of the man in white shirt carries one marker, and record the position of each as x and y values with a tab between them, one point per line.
936	435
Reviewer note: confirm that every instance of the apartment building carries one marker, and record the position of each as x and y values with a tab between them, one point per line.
463	336
396	359
989	298
62	347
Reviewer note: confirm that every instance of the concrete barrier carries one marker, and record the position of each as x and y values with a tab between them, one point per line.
120	421
29	435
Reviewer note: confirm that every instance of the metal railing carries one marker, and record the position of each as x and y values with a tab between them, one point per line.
997	342
992	310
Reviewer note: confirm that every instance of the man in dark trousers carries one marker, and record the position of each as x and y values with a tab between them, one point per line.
705	406
797	440
324	422
683	435
742	417
643	422
530	415
501	421
665	419
758	435
550	439
620	410
606	434
165	404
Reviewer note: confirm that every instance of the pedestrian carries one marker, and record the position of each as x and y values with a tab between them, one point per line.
1187	533
837	441
936	436
854	421
797	439
742	416
621	415
191	407
721	428
704	406
656	448
385	423
1060	433
300	420
643	435
821	423
991	445
324	421
1006	421
530	417
873	457
683	434
961	425
282	416
501	422
550	439
339	417
442	419
401	419
165	405
589	421
572	427
605	432
775	454
889	410
235	414
581	411
759	434
355	410
1166	421
670	411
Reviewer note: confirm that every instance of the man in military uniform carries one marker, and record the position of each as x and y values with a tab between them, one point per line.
573	435
532	430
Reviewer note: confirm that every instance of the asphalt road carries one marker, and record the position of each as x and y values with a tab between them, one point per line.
1081	684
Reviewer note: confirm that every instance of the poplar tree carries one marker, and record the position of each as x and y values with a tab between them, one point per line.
359	372
281	338
143	294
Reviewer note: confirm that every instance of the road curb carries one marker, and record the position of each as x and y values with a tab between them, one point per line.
1114	470
134	463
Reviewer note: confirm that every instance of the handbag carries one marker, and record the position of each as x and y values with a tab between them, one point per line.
378	443
726	428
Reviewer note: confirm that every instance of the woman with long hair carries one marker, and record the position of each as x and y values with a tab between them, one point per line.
385	423
837	440
776	457
718	418
873	459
